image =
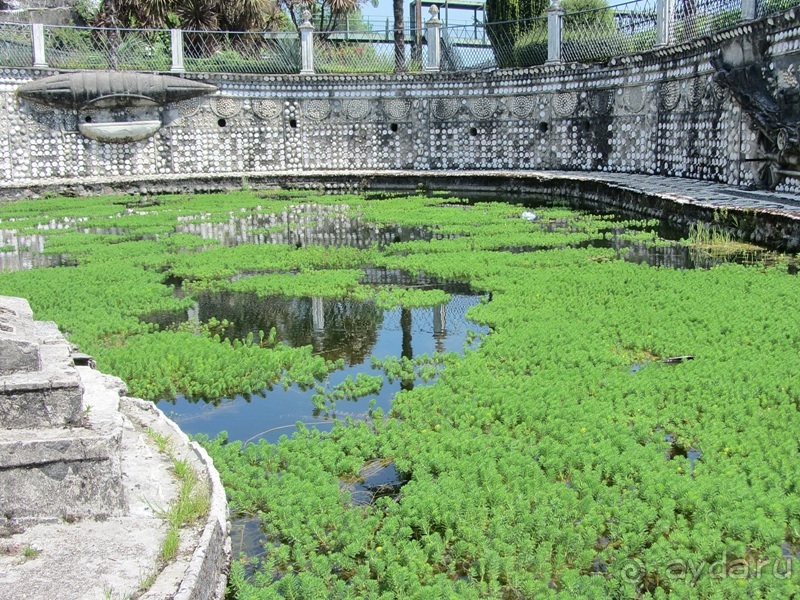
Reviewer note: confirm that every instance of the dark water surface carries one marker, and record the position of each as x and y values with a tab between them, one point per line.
353	331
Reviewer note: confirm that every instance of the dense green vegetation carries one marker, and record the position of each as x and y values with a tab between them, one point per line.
562	456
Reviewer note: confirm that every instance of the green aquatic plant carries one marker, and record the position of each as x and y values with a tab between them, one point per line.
389	298
716	238
350	389
561	457
425	367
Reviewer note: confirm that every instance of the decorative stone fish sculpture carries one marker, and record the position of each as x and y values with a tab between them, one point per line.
114	107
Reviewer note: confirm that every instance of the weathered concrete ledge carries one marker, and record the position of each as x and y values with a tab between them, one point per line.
203	574
765	217
18	353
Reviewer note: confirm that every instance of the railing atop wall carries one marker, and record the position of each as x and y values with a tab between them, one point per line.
586	36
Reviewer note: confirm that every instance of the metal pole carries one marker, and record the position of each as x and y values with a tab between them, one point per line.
418	29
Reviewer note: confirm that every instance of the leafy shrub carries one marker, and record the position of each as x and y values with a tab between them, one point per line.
530	49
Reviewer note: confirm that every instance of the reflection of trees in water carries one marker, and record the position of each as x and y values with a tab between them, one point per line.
408	351
350	327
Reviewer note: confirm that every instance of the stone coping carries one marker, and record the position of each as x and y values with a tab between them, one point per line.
204	574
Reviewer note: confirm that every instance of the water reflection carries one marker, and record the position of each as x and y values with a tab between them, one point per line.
336	328
272	413
24	252
304	225
678	256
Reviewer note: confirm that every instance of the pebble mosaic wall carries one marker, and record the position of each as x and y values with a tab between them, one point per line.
659	113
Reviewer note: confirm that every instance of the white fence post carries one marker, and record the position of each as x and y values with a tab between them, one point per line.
555	18
748	10
37	37
307	44
434	37
664	22
176	42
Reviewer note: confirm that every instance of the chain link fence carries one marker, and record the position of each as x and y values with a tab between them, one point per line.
367	52
16	46
602	33
466	47
767	7
241	52
69	47
361	47
495	45
698	18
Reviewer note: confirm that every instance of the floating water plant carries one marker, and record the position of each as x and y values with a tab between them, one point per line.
535	464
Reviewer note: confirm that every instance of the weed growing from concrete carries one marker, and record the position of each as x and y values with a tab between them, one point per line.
190	506
161	441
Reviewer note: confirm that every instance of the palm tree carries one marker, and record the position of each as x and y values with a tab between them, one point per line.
195	17
248	15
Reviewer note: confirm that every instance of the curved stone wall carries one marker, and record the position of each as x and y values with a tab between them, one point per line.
658	113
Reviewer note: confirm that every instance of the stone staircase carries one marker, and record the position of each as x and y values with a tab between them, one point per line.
86	475
58	458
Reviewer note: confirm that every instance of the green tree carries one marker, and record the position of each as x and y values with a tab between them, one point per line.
518	28
510	20
586	13
327	15
198	15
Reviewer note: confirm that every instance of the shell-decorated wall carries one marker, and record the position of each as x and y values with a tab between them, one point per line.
662	112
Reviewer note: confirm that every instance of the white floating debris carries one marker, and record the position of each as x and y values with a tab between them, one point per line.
529	216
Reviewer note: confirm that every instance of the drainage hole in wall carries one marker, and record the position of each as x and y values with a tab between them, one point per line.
222	122
293	123
393	127
88	119
473	132
543	127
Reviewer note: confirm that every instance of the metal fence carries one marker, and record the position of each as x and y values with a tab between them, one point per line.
69	47
367	51
602	33
239	52
768	7
492	45
16	45
698	18
363	47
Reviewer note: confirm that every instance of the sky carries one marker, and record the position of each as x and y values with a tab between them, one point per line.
384	11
